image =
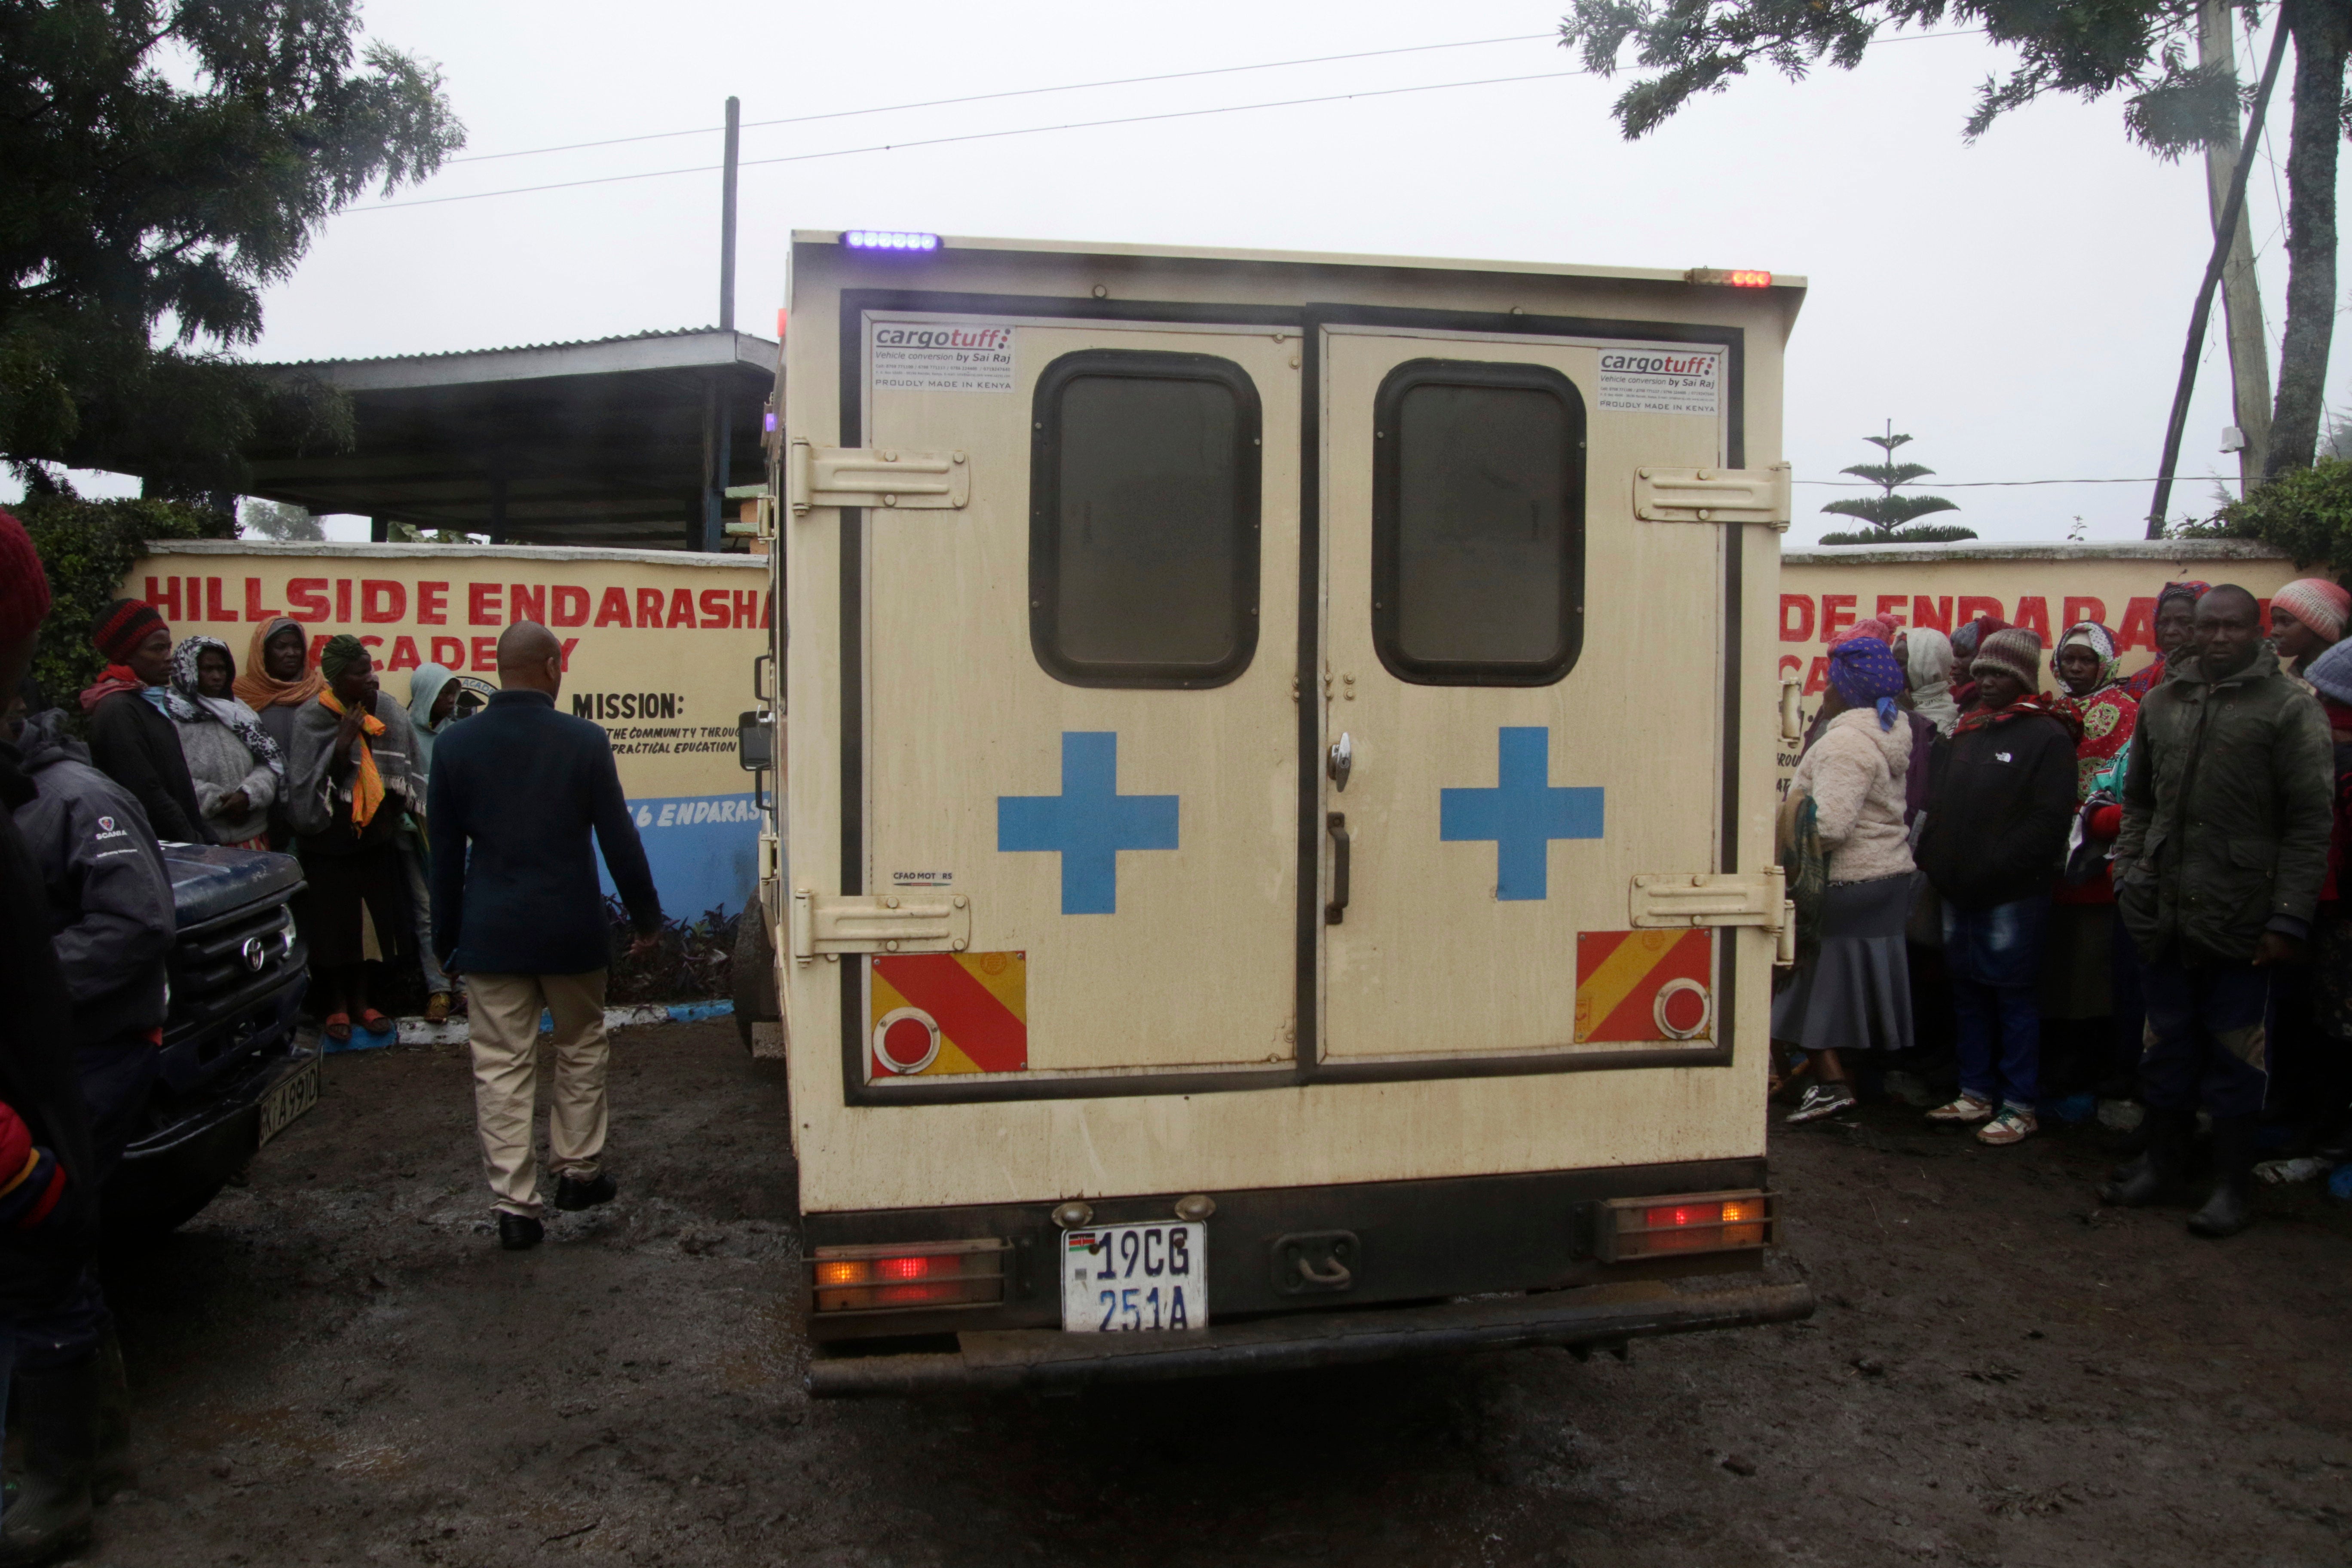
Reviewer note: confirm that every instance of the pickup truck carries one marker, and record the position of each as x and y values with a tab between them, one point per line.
236	1072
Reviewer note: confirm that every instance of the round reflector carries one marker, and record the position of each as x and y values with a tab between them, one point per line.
1683	1010
906	1040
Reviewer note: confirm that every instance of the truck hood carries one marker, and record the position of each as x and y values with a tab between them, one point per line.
209	881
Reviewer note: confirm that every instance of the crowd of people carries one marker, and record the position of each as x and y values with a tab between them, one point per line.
485	871
2127	895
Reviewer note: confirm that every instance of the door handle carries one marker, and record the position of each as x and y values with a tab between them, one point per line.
1342	760
1337	910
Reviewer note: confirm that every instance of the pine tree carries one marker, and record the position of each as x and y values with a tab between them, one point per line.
1887	512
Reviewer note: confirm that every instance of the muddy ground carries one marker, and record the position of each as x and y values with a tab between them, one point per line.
335	1364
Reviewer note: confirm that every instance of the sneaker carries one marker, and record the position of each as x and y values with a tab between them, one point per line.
1823	1100
2015	1125
1965	1111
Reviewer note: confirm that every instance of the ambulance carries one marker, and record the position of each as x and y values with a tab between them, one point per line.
1274	860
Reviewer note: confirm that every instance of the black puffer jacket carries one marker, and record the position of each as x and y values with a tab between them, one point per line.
133	744
36	1071
108	895
1999	808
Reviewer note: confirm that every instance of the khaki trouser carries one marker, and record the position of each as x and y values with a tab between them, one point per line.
504	1011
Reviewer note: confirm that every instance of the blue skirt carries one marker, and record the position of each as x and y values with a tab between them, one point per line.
1856	993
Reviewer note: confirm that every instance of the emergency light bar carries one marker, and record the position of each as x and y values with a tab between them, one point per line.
887	239
1733	277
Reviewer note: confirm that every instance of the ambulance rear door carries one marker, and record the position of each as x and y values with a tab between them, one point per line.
1080	716
1525	700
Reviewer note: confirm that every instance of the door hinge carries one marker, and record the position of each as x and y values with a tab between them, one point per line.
1714	495
1686	900
875	477
825	925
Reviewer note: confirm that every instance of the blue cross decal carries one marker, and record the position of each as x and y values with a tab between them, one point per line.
1522	814
1088	823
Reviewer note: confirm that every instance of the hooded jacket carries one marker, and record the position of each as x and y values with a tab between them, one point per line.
36	1071
1999	808
2228	805
109	896
1856	773
425	689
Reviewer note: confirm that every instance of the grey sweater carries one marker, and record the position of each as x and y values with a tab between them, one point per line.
219	765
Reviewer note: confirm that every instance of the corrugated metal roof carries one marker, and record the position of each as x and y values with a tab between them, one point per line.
513	348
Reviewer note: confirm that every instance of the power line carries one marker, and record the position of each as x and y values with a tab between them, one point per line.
1017	92
978	136
1975	484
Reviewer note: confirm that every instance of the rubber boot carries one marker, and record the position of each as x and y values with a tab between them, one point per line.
2231	1209
111	1471
57	1411
2157	1173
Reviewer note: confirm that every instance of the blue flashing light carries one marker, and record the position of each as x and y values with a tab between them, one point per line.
888	239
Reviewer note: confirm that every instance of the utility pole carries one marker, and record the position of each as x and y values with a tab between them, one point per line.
2241	298
718	416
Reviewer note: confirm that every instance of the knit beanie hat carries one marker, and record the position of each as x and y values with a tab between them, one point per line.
2331	672
122	626
24	586
2017	650
2318	603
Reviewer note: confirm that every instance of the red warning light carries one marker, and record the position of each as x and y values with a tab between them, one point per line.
1748	277
1734	277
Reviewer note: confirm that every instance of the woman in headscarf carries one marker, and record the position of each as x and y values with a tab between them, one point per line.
1926	656
236	767
2176	617
273	682
348	787
1855	993
2327	1121
2078	963
433	693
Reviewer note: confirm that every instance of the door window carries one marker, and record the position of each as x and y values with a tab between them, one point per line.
1477	523
1143	535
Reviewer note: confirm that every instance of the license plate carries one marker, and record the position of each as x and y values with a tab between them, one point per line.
289	1099
1125	1279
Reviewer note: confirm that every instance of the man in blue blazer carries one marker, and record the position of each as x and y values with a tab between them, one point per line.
515	792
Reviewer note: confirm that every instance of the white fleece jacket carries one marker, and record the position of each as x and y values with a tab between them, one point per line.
1854	773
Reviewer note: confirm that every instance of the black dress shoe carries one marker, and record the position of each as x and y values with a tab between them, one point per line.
571	1194
520	1232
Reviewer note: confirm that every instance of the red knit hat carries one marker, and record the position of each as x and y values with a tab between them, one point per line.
24	586
122	626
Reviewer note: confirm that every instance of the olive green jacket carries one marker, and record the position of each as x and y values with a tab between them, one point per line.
2227	810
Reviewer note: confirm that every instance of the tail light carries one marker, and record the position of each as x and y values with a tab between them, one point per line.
897	1276
1629	1228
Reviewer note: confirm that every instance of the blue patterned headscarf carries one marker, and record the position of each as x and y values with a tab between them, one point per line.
1865	673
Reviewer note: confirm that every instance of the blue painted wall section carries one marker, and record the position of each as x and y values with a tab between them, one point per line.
1522	814
1087	824
704	851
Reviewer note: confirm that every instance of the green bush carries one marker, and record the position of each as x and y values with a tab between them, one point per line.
87	547
2307	512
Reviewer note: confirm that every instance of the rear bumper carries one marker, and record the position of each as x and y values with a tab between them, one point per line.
1006	1360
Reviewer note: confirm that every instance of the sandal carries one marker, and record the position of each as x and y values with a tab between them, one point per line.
1965	1111
2015	1125
375	1022
338	1027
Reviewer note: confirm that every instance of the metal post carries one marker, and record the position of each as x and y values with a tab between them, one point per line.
709	530
2241	297
499	505
378	530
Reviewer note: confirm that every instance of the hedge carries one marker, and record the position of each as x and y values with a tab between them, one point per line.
87	548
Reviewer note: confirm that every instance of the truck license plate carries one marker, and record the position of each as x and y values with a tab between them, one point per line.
1135	1278
289	1099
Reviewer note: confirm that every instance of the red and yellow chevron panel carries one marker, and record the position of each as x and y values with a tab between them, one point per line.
949	1012
1645	986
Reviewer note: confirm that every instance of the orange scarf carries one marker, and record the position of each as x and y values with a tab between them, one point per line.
258	688
367	785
